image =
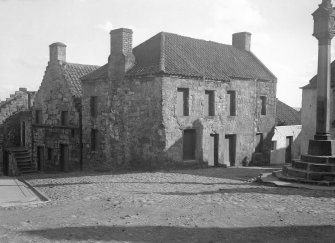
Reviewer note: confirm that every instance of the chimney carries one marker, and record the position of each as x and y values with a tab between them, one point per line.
57	52
121	40
242	41
121	57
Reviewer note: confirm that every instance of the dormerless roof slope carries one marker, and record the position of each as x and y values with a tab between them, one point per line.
172	54
73	72
286	115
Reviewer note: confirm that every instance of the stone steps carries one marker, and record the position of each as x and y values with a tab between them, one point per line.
308	174
280	175
318	159
23	160
314	167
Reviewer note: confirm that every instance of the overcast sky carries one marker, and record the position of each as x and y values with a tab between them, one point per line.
281	33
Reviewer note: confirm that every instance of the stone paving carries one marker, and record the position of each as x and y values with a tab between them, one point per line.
209	205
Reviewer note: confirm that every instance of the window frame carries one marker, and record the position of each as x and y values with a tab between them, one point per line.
185	105
232	102
210	103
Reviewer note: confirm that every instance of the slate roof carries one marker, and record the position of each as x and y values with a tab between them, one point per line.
73	72
167	53
286	115
313	81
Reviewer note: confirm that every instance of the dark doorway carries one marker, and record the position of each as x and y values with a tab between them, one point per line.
23	134
40	157
5	162
230	150
259	143
189	142
213	158
64	156
288	152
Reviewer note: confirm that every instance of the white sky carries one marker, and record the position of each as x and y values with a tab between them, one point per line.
281	33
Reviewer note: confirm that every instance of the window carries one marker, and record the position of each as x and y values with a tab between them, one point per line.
49	153
209	103
263	109
273	145
94	106
38	116
182	102
94	139
64	118
232	102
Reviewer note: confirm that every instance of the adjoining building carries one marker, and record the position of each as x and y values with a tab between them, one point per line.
15	133
56	114
286	140
308	110
175	99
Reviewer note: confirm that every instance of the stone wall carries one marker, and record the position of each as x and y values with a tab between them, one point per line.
244	125
138	125
128	121
280	134
22	100
52	98
101	157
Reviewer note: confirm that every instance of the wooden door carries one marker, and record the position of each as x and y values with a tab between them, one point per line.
40	158
64	157
229	150
213	157
189	143
288	151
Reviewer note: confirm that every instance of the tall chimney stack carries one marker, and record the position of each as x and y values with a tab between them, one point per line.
57	52
242	41
121	57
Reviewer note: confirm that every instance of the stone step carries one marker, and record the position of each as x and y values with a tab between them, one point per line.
23	160
21	155
308	175
318	159
23	163
312	167
288	178
28	171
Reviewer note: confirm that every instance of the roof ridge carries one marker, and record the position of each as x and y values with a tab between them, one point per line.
162	52
72	63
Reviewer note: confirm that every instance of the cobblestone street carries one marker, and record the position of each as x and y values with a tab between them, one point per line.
208	205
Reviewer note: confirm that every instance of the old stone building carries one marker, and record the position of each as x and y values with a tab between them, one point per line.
308	109
15	132
286	140
56	115
178	99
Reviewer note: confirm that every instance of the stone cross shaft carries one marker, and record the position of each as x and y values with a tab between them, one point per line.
324	31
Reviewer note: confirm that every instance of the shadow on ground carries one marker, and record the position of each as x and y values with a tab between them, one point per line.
313	233
243	173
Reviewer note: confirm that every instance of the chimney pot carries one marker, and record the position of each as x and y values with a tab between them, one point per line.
57	52
242	40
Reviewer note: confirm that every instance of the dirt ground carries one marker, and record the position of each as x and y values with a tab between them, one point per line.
203	205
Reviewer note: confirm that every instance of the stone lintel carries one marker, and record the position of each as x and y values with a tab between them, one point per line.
321	147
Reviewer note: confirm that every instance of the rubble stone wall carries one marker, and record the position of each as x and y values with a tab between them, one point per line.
52	98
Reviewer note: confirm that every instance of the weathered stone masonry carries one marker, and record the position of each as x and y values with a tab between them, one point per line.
137	98
57	136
